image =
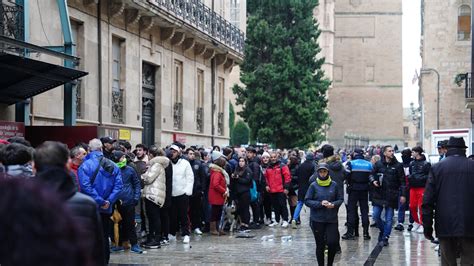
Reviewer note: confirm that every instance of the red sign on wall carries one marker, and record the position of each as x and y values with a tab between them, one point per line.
11	129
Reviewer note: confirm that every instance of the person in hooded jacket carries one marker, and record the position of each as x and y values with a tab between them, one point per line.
17	160
129	198
241	181
294	164
448	198
305	171
419	171
218	190
100	178
387	180
324	199
195	201
154	194
51	160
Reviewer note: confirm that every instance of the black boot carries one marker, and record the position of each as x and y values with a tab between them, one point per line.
356	232
348	235
366	233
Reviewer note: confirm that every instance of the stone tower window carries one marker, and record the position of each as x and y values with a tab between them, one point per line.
464	23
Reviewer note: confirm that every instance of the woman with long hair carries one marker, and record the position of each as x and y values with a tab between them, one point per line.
241	182
218	191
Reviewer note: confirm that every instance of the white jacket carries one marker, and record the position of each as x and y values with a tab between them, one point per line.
155	180
183	178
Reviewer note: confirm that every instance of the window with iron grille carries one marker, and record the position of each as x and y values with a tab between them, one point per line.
200	101
117	76
178	95
221	106
77	31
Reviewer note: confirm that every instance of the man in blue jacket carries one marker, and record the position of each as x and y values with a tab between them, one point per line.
100	178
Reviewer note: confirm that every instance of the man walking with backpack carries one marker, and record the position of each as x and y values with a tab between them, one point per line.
100	178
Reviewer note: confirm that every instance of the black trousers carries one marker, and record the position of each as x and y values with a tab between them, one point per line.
266	206
452	246
154	220
165	222
279	206
127	225
243	203
325	234
142	215
257	217
106	223
195	211
361	197
179	215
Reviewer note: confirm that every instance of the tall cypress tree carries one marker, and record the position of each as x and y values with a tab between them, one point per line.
284	98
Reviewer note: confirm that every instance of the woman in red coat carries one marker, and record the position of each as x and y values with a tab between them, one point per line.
218	192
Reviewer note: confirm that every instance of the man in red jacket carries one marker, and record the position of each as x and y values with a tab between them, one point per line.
278	180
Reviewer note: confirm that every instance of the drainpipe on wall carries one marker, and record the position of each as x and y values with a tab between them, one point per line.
99	57
213	92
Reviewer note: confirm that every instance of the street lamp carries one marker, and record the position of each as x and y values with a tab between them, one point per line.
428	71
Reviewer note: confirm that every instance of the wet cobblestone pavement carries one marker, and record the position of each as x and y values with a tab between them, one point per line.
405	248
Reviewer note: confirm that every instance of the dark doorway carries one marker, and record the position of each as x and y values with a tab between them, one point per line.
148	104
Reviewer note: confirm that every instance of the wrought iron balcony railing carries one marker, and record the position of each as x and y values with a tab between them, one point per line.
11	20
468	87
220	123
200	119
178	116
203	18
117	106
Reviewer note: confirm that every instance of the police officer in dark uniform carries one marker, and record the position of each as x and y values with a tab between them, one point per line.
358	188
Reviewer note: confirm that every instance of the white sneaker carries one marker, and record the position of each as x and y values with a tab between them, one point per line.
284	224
268	221
171	237
436	248
186	240
198	231
420	229
293	224
415	228
273	224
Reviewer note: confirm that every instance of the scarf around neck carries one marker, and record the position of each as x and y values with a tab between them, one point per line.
220	169
324	183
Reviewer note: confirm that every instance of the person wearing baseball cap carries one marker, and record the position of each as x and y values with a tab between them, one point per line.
182	189
442	149
324	199
108	144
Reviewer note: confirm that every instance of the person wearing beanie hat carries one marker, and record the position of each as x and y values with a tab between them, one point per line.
305	171
324	199
357	179
419	170
216	155
129	198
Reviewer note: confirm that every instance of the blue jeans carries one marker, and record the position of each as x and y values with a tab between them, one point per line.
299	206
384	226
402	208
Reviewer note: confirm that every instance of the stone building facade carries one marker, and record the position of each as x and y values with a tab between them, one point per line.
365	100
446	49
153	67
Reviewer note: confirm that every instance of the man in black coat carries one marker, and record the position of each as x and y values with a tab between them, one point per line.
449	199
51	159
305	171
388	181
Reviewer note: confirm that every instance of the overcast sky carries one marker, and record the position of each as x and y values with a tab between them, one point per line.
411	28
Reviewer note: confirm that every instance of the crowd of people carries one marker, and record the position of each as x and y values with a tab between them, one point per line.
99	188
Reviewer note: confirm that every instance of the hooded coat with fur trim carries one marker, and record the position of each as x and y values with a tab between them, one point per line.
218	185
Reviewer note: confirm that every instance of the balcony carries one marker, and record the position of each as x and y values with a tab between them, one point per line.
11	20
187	23
468	91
